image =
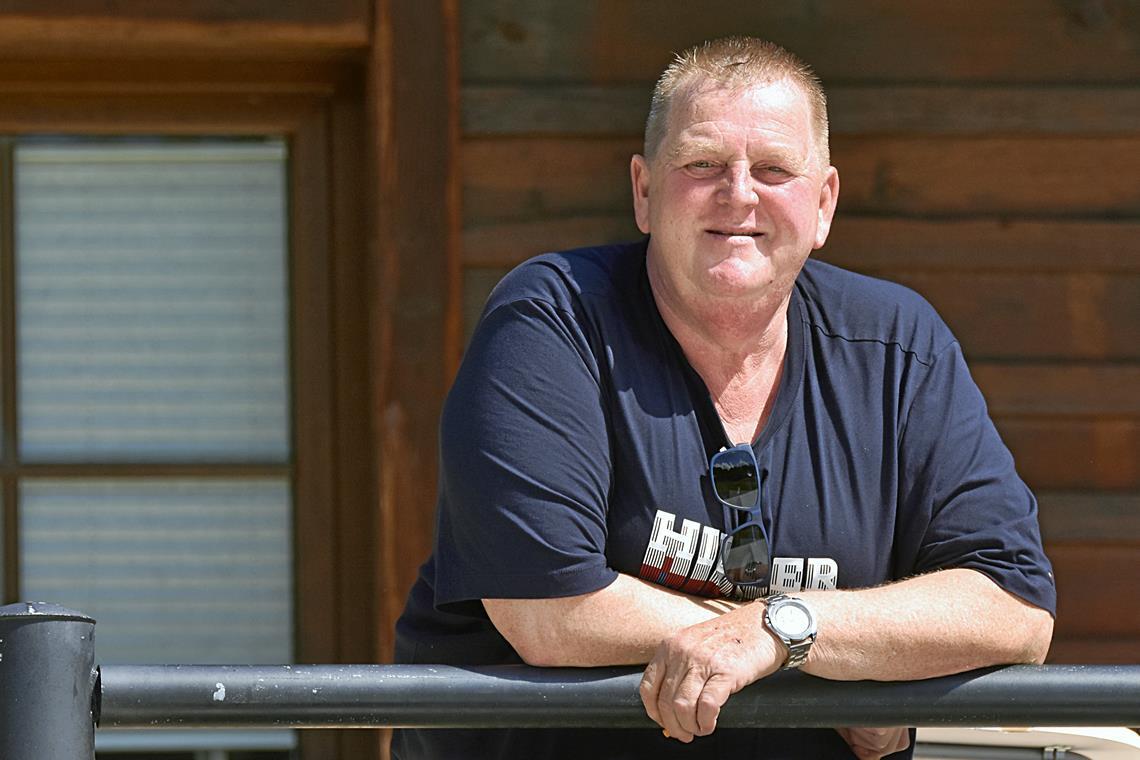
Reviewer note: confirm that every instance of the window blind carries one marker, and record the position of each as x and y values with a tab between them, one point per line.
173	571
152	301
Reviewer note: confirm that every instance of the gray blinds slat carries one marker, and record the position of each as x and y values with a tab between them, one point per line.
174	571
152	301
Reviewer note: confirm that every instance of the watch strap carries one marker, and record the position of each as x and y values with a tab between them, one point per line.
798	649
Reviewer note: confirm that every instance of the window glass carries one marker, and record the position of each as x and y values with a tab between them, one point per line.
173	571
151	300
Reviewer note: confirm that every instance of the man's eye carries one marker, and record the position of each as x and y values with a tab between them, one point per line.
702	164
773	173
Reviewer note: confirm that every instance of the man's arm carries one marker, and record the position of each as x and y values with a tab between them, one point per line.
621	624
932	625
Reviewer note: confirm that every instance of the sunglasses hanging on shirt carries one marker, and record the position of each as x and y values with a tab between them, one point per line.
744	549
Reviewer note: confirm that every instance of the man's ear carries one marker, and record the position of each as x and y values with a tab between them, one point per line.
828	197
639	179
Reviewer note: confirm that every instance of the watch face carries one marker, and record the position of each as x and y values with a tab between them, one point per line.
792	620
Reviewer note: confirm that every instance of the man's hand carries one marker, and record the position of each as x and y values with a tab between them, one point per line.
873	743
695	670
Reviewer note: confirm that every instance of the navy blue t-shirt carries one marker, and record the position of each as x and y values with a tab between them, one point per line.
575	445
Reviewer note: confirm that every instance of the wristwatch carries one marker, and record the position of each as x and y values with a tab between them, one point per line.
793	623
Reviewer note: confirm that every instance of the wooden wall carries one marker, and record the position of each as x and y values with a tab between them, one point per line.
989	154
990	158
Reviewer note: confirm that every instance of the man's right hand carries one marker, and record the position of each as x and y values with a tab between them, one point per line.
696	669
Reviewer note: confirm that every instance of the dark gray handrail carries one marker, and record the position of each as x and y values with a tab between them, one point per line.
438	696
52	696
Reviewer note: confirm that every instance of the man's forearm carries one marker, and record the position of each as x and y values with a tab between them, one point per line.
937	624
621	624
932	625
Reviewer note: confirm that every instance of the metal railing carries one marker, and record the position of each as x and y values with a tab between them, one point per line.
52	696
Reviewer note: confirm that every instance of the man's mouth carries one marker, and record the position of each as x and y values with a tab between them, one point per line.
729	233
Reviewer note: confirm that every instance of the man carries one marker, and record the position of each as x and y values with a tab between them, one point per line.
856	483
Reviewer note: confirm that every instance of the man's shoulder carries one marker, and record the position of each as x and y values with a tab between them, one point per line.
564	277
845	305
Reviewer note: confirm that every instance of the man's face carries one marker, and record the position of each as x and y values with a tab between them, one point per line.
735	198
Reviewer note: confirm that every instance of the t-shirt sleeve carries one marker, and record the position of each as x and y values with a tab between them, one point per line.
962	501
525	463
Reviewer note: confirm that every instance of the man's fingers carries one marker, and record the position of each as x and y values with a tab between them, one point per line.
683	703
671	703
716	692
649	688
902	740
874	743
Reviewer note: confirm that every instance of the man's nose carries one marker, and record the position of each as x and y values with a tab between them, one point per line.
740	186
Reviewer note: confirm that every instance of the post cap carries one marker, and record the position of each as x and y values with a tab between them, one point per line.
45	610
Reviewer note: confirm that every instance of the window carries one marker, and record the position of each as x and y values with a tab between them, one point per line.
148	462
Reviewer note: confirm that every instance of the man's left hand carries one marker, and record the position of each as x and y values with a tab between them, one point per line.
874	743
695	671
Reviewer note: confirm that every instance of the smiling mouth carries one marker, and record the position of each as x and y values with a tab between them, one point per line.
734	233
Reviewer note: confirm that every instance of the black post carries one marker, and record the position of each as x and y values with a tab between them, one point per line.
47	683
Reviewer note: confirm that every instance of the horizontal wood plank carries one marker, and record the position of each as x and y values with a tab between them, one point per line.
1096	588
1037	316
1060	389
1074	452
173	77
532	179
525	179
880	245
896	40
199	112
477	285
245	28
873	245
1094	650
1034	176
502	245
621	110
1089	516
1053	318
324	12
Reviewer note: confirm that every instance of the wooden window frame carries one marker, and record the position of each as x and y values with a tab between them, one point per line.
318	109
369	103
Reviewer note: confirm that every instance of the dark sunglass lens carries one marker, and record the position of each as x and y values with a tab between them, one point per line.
735	479
746	560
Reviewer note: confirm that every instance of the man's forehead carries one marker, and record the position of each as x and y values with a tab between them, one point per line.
707	116
707	101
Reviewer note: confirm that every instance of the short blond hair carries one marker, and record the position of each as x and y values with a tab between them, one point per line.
734	62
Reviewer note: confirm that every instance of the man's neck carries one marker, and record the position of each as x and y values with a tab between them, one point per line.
736	347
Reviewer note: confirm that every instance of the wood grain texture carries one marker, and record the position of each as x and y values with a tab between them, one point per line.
987	160
301	11
1039	176
884	40
1096	589
621	109
1042	317
869	244
1074	452
166	28
882	245
503	245
1037	316
1089	517
545	178
1094	650
173	76
1061	389
1045	177
413	163
314	483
